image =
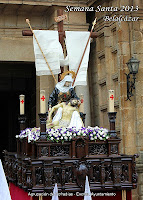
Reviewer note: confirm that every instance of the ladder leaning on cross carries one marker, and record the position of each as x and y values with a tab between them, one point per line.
61	36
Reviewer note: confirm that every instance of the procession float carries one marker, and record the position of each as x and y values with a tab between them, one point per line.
63	150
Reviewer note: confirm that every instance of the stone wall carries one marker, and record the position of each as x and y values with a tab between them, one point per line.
116	44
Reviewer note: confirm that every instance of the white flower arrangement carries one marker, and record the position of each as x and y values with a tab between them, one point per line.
65	134
32	134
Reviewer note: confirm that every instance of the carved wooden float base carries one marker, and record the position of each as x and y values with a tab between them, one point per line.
37	167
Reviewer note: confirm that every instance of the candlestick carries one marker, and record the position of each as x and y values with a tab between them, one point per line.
22	102
81	108
113	141
43	119
111	101
22	122
42	102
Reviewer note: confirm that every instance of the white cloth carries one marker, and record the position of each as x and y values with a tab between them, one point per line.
49	43
74	122
87	190
75	44
4	190
58	115
55	193
60	85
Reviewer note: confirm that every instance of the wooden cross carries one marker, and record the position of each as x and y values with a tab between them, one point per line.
60	31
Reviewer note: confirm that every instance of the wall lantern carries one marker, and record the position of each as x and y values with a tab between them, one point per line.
133	65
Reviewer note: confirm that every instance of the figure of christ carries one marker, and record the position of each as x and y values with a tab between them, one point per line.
67	115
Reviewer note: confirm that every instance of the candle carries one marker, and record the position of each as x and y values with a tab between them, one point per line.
111	101
81	108
42	102
22	102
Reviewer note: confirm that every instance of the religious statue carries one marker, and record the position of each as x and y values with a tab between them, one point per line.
65	101
63	90
66	116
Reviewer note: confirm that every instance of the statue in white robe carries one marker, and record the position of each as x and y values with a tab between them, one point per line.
62	92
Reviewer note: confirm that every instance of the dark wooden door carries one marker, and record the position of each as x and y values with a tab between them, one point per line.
15	79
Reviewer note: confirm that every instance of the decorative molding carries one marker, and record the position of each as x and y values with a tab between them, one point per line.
108	173
125	173
114	149
104	171
101	54
96	173
59	150
115	77
113	29
101	35
103	108
97	149
116	104
44	151
102	82
114	49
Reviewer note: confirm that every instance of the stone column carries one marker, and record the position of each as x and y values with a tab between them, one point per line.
128	108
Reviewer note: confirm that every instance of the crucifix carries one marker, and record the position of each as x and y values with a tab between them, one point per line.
59	19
